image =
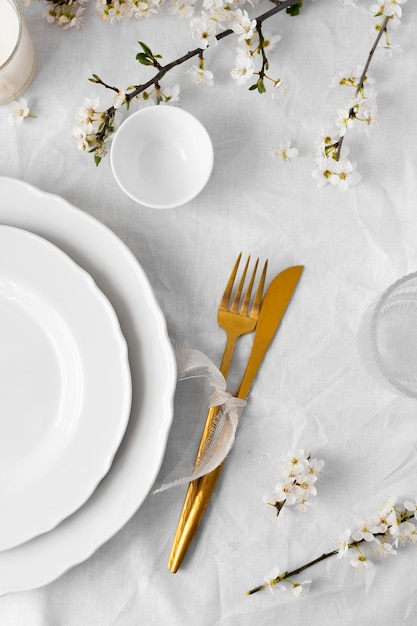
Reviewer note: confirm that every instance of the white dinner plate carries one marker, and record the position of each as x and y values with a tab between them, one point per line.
65	386
119	276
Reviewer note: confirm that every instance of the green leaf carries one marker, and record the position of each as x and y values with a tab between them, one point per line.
260	86
295	8
253	87
97	160
146	49
143	58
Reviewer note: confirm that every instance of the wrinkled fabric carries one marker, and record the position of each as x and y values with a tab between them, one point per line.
313	391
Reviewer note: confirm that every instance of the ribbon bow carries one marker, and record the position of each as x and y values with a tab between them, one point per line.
194	364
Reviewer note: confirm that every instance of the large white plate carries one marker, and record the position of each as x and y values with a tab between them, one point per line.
65	386
136	464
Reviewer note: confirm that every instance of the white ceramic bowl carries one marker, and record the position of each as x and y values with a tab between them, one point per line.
161	156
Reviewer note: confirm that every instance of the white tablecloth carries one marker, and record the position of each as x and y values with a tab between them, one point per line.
312	392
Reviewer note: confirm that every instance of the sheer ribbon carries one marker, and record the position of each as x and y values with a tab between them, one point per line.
194	364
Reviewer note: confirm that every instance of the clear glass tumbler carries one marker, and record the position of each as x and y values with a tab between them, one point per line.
17	53
388	336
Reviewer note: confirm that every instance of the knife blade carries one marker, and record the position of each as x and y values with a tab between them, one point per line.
274	306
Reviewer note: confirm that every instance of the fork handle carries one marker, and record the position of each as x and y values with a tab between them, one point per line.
199	490
228	353
195	503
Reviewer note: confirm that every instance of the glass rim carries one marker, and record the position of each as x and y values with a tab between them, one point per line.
372	334
10	58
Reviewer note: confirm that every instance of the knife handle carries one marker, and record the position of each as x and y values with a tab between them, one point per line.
195	503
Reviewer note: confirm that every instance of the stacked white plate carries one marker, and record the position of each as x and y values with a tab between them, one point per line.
87	377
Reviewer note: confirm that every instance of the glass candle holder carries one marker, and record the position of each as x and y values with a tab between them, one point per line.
388	336
17	54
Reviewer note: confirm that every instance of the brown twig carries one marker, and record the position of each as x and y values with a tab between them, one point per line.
286	575
352	115
164	69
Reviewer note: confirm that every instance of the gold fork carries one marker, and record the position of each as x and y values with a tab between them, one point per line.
235	317
237	320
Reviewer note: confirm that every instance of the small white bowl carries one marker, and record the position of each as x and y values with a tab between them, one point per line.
162	156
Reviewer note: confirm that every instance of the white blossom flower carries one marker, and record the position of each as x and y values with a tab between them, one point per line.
384	520
287	492
383	549
281	87
182	8
387	515
101	151
351	77
200	76
404	533
204	32
76	20
364	532
285	151
243	69
113	12
207	4
344	174
412	537
242	25
119	99
315	467
388	8
387	50
343	121
295	462
343	544
18	111
88	110
219	14
367	113
79	138
302	504
323	172
298	483
360	563
171	95
411	506
300	590
142	11
270	41
271	582
306	484
245	49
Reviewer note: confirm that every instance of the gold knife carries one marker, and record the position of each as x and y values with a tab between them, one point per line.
273	308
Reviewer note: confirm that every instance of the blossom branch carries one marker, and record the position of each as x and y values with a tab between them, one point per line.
390	529
164	69
298	482
332	169
294	572
353	109
104	122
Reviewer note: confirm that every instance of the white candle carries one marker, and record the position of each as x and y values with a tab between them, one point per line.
17	55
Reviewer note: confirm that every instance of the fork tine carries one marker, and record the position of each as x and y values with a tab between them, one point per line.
229	286
235	305
248	294
258	296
